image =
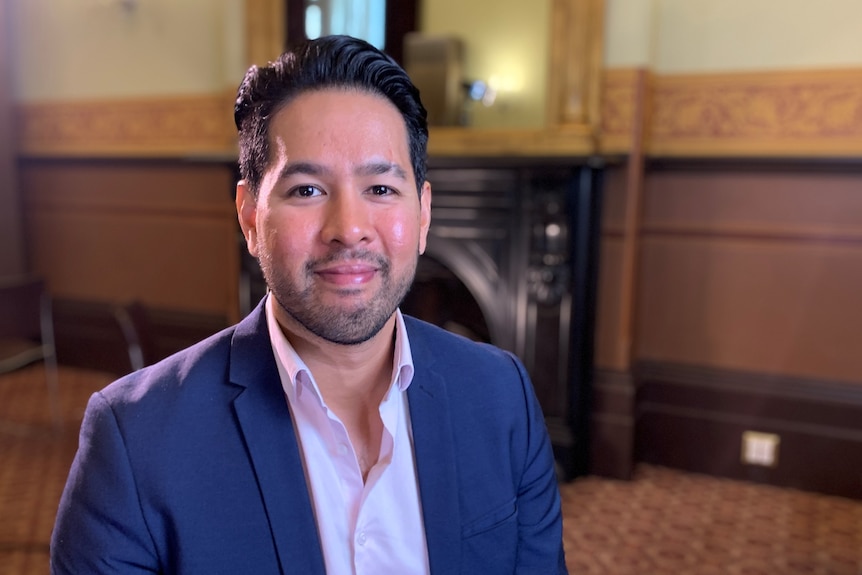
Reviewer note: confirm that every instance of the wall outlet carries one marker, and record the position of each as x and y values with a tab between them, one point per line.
760	448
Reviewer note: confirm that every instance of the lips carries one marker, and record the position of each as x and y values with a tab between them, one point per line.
347	273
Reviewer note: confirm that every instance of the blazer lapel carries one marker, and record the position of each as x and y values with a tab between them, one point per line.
435	461
264	419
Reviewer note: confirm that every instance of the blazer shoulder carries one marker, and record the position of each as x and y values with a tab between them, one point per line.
207	359
427	339
470	371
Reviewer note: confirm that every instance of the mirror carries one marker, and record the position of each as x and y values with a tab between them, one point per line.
543	59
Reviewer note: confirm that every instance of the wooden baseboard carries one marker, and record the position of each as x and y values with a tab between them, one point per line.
693	418
87	334
612	424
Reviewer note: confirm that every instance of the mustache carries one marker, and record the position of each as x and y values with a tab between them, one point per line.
353	255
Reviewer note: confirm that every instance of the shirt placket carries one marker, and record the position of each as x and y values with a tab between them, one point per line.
367	534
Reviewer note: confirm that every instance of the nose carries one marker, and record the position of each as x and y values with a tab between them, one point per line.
347	219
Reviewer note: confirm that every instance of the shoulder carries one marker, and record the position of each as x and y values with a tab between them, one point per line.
206	360
433	345
473	375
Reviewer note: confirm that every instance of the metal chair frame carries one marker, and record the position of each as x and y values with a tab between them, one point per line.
27	333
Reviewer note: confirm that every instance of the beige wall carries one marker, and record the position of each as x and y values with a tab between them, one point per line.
739	35
628	33
97	49
684	36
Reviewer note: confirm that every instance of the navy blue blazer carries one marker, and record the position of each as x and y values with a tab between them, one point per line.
192	466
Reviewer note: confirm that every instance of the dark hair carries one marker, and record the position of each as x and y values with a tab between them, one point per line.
328	62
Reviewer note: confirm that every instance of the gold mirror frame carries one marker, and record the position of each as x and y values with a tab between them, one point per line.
576	31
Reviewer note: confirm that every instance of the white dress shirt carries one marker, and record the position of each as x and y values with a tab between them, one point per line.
372	527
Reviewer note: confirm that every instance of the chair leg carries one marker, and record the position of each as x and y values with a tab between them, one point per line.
52	380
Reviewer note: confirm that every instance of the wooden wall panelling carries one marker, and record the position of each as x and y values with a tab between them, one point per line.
164	233
88	334
692	417
753	270
749	319
632	221
608	351
782	200
753	304
612	426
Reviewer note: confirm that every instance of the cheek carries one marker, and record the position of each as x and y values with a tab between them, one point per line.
284	240
403	232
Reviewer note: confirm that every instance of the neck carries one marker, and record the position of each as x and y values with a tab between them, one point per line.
359	374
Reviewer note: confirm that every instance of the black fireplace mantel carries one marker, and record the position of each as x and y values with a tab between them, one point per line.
521	235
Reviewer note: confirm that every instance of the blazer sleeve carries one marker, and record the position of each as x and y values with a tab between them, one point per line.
100	527
540	522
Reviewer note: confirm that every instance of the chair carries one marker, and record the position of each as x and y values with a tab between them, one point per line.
134	322
27	333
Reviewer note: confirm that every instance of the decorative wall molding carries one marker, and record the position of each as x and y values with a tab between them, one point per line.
811	113
619	93
816	113
141	127
573	141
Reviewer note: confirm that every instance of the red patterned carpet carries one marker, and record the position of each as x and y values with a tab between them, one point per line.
666	521
662	522
34	461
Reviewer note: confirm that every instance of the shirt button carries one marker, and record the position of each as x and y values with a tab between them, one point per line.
361	539
342	449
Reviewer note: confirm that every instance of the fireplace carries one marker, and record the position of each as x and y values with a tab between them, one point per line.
511	260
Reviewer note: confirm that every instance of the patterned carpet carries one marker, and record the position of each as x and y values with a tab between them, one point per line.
666	521
662	522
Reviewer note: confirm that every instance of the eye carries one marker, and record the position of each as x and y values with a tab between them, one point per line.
305	191
382	191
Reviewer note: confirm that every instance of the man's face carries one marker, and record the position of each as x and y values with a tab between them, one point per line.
338	224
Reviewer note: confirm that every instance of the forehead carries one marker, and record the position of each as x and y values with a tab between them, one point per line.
346	110
340	131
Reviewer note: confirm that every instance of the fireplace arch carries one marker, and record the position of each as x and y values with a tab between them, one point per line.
520	236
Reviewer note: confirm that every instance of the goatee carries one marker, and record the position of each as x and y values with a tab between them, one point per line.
341	323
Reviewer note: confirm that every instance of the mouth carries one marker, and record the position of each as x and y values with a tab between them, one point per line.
347	274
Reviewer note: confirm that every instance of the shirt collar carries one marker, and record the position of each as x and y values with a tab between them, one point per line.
292	369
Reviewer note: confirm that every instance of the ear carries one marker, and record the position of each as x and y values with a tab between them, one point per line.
246	211
424	215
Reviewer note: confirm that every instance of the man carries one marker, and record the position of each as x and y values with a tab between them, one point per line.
326	432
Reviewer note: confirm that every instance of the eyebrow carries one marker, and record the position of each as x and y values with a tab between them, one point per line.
305	168
368	169
380	168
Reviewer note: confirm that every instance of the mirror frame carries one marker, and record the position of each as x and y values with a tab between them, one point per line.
576	35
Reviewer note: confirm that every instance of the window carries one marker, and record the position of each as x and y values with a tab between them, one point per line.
382	23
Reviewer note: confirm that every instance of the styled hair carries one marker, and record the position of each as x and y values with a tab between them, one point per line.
328	62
